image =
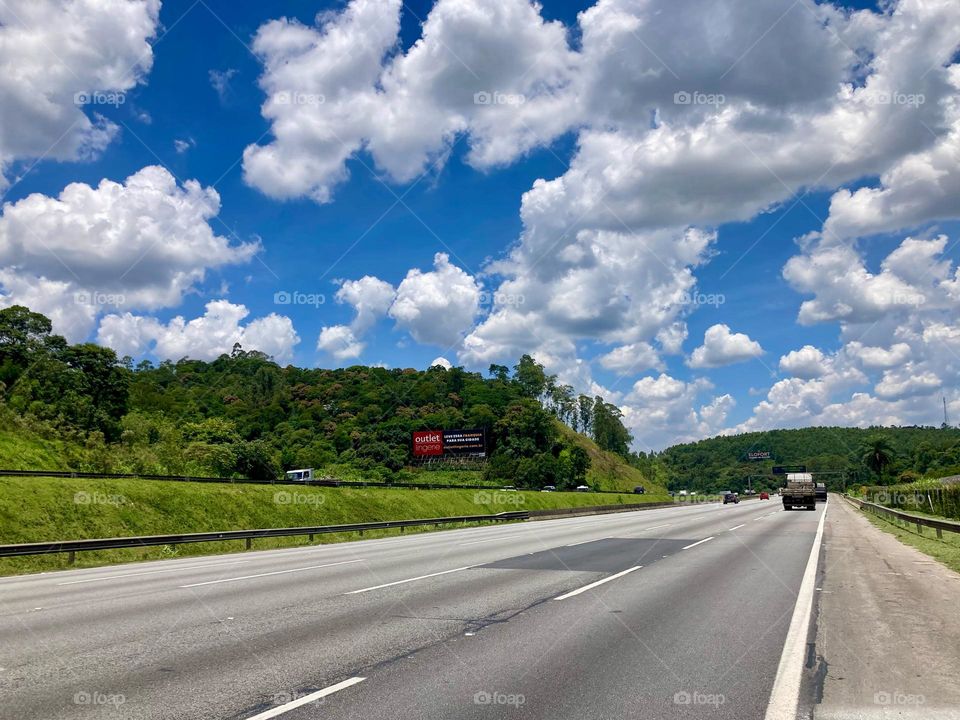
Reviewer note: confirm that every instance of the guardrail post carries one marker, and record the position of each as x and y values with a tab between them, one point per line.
939	534
311	537
919	529
249	543
71	557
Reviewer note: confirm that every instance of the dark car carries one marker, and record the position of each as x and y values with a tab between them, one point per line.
730	497
639	490
821	490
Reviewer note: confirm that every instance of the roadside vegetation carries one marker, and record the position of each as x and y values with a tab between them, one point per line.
46	509
927	497
858	456
79	407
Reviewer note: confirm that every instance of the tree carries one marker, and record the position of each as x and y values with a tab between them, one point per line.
23	339
524	429
585	413
608	430
578	461
877	455
530	376
255	460
499	372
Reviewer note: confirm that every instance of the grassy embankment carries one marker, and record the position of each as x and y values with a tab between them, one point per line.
47	509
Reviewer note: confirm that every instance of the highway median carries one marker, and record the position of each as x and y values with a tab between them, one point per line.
59	509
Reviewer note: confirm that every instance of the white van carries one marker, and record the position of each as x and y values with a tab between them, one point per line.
305	475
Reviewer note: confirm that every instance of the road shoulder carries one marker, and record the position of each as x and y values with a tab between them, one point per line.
887	642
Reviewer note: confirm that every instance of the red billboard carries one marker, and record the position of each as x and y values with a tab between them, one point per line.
427	443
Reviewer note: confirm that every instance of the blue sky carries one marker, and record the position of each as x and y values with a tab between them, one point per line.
766	166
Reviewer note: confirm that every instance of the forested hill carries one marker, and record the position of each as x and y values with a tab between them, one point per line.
721	462
244	415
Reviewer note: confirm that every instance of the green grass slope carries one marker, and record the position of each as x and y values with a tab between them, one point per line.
23	449
47	509
609	471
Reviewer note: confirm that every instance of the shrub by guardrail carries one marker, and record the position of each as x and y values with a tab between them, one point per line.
927	496
907	518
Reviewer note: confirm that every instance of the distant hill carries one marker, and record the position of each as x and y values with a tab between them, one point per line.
243	415
721	462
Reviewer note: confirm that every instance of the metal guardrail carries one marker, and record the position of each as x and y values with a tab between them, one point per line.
919	520
320	482
73	546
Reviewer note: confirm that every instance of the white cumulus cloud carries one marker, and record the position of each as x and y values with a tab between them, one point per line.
722	347
202	338
439	306
62	61
141	243
806	363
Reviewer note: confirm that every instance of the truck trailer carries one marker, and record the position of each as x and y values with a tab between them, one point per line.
799	492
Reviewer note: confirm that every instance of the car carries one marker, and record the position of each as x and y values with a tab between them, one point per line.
508	488
730	497
548	488
583	488
639	490
764	495
821	491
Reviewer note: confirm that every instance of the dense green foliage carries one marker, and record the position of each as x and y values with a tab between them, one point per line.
244	415
79	385
858	456
925	496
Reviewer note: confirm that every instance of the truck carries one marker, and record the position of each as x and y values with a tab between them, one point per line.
799	492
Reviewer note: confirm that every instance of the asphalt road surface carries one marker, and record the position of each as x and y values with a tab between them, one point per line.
666	613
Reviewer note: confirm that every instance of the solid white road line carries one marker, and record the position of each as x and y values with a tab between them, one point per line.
735	527
275	572
151	572
785	696
598	582
408	580
699	542
306	699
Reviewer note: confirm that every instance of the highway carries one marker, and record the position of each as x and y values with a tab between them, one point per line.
666	613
